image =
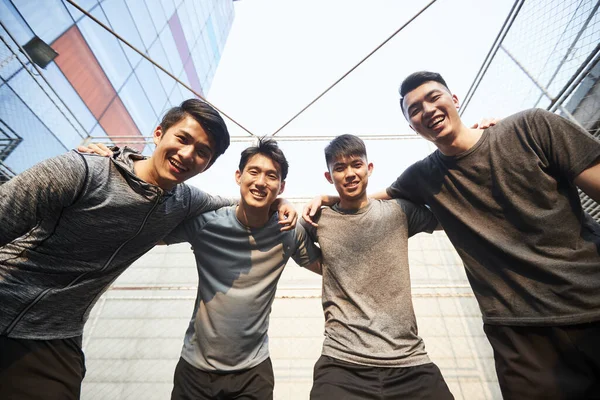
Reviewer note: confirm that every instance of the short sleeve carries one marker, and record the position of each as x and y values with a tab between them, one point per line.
420	218
403	187
306	250
201	202
566	147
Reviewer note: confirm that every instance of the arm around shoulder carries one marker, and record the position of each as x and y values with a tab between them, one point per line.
43	189
589	181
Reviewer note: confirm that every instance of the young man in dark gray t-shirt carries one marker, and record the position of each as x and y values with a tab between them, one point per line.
372	349
507	198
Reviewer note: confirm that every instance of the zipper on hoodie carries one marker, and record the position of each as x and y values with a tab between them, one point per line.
40	296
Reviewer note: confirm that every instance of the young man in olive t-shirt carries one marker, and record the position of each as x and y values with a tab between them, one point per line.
507	198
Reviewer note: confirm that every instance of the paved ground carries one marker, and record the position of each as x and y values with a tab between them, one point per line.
134	336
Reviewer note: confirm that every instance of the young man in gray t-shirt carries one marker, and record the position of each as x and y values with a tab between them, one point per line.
507	198
240	253
372	349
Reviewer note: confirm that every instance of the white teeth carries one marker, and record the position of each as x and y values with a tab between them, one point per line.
177	164
435	121
259	194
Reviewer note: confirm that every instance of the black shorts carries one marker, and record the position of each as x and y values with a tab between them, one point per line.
550	363
256	383
337	379
41	369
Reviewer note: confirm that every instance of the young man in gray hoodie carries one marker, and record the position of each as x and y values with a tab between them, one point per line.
72	224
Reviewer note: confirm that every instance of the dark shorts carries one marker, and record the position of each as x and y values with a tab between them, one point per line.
550	363
337	379
41	369
256	383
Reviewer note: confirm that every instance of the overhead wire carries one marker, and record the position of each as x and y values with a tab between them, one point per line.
355	66
141	53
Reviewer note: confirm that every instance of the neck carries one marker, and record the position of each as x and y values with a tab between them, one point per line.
354	204
252	217
143	170
461	142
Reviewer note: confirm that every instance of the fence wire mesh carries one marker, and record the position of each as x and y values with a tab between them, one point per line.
548	58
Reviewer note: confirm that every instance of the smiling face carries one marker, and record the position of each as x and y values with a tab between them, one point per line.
433	113
260	182
350	176
182	152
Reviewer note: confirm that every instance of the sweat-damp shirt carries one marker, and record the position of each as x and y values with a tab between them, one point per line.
69	226
511	210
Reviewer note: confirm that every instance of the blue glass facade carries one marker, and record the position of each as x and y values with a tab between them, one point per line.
75	96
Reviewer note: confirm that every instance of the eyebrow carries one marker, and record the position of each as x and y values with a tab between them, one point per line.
428	94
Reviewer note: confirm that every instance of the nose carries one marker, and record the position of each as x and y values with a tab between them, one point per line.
186	152
428	108
260	180
350	173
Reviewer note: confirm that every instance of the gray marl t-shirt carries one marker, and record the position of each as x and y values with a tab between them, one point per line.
238	268
511	210
369	316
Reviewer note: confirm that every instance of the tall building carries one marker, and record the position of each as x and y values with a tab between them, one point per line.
86	83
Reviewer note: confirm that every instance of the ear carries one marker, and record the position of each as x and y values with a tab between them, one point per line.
370	168
328	177
455	101
157	135
238	177
281	187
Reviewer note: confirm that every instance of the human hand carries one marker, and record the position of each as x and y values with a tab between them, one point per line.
486	123
96	148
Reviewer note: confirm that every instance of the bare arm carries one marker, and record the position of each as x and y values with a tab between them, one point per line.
314	206
382	195
288	217
589	181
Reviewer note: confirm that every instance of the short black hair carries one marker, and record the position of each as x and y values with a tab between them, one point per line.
268	147
344	145
209	119
415	80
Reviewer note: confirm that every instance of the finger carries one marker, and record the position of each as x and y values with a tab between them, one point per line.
475	126
309	220
105	149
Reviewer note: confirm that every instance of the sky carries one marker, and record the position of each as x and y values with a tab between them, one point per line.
281	54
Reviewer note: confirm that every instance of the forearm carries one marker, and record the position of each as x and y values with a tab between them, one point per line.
381	195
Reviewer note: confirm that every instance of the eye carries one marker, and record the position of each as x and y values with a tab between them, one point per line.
204	153
273	177
181	138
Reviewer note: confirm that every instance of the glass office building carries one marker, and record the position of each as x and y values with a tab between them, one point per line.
92	85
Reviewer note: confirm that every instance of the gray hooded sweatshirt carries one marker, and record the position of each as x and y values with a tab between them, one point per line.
69	226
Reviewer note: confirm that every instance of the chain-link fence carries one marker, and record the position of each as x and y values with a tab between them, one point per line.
546	56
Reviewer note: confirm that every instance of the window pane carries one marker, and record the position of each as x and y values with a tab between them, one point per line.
157	14
66	92
158	55
148	77
142	20
38	143
169	7
120	20
166	38
136	102
106	48
69	133
15	24
87	5
49	21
